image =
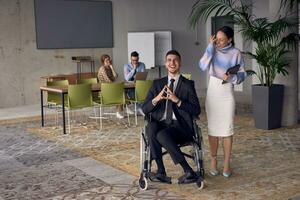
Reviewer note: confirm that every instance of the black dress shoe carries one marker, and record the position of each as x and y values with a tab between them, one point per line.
187	177
160	177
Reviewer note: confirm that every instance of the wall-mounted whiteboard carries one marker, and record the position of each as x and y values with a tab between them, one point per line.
143	43
152	46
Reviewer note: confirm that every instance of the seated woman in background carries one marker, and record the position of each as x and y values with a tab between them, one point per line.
107	74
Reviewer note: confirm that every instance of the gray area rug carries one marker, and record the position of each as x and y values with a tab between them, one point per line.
32	168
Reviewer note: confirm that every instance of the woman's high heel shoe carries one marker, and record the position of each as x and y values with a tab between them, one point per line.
227	174
214	172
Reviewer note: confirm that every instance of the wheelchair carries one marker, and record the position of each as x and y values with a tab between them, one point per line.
196	155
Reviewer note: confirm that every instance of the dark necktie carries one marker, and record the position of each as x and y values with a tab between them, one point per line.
169	105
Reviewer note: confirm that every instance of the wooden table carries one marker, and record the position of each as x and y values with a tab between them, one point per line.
72	78
62	90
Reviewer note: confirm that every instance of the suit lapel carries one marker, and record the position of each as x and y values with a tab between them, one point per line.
177	90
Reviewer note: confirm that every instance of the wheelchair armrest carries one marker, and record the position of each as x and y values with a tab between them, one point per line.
197	129
196	117
148	117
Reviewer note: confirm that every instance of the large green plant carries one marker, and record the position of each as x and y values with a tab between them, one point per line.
272	41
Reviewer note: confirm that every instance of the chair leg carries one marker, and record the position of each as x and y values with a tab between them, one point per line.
124	109
86	114
55	117
95	114
135	112
100	110
127	114
73	116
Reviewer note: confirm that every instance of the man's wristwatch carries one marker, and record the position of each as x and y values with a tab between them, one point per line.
154	102
178	102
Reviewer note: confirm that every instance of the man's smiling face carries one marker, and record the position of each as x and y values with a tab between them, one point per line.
172	64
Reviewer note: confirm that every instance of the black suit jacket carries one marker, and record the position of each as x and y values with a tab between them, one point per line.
188	109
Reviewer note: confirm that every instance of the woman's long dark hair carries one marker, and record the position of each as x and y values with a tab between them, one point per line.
228	31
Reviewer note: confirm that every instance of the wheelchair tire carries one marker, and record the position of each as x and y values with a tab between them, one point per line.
200	183
143	183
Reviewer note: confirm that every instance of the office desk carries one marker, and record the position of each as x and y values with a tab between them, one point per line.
62	90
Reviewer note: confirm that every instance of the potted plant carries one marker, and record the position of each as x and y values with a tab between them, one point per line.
272	45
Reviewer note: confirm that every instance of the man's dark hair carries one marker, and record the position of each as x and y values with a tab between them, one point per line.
173	52
228	31
134	54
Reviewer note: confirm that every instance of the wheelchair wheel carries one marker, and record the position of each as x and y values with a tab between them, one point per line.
200	183
143	183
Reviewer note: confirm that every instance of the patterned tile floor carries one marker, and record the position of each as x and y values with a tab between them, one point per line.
42	163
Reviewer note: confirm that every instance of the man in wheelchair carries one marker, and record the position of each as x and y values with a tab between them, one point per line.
170	107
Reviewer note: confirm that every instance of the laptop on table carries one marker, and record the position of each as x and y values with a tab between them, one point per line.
141	75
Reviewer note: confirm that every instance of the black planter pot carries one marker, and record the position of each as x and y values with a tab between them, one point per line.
267	105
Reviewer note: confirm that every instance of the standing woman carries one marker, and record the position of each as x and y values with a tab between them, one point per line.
219	56
107	74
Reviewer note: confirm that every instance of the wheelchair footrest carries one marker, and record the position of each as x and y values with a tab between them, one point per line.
159	178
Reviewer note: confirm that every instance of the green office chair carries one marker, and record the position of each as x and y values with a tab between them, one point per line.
112	94
87	81
142	88
90	81
54	99
187	76
79	97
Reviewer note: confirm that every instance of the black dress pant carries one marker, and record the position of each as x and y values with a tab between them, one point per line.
168	136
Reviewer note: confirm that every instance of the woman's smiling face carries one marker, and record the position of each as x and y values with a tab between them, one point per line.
222	40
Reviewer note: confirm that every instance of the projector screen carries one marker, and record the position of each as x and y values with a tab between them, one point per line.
67	24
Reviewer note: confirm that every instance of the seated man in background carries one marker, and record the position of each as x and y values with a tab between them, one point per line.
130	69
170	106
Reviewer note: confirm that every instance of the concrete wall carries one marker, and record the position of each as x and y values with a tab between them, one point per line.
290	82
269	8
21	63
